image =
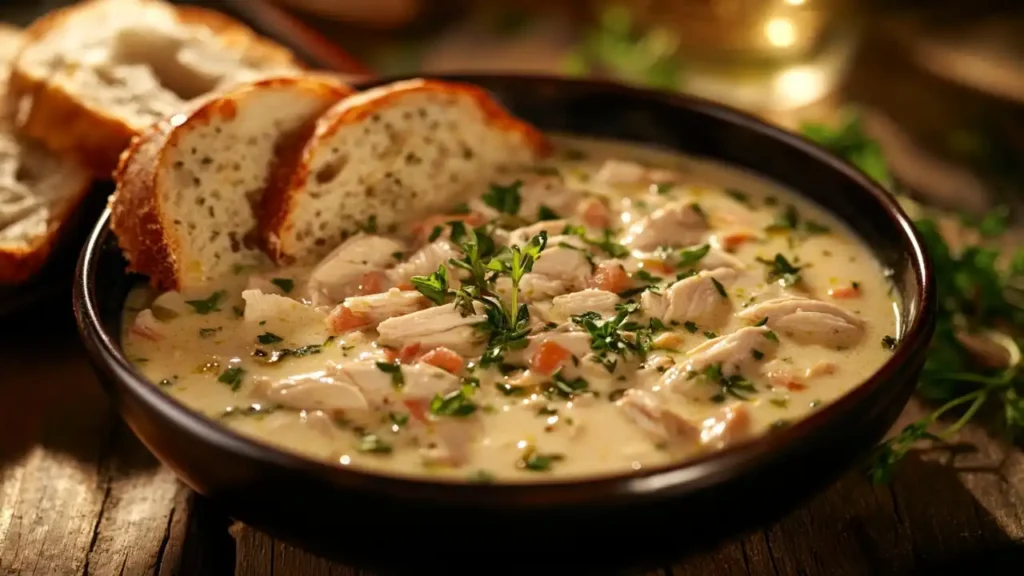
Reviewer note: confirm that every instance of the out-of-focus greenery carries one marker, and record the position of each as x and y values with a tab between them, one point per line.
614	46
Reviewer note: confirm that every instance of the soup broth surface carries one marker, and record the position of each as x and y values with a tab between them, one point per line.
666	307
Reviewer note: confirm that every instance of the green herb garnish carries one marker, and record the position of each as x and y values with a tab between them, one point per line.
395	370
232	377
504	198
286	284
269	338
433	287
781	270
456	404
207	305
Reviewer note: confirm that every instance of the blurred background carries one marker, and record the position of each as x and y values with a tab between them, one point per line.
939	83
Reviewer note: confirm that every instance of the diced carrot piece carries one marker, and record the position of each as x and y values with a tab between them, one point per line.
341	319
445	359
795	386
371	283
733	240
657	266
390	354
405	286
595	213
417	409
845	292
549	357
611	277
409	352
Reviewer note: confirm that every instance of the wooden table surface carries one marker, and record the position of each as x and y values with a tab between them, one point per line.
80	495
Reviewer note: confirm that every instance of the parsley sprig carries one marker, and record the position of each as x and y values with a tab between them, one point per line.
617	337
976	295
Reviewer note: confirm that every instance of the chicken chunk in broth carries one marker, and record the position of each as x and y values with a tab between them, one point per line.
613	310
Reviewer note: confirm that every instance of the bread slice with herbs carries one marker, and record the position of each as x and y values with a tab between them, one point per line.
94	74
189	188
388	156
39	190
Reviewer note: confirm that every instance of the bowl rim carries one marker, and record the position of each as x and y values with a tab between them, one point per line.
678	477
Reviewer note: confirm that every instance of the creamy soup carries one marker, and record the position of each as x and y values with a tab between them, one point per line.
612	309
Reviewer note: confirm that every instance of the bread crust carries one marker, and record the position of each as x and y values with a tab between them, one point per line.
137	217
279	201
55	117
20	265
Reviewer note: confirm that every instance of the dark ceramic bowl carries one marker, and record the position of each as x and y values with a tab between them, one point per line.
625	520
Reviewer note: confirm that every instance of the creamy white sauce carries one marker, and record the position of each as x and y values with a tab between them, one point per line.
206	360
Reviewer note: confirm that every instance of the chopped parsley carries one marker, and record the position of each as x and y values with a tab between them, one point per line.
564	388
605	243
286	284
373	444
269	338
889	343
232	377
689	257
546	213
736	385
504	198
691	326
738	195
780	270
434	235
538	462
395	370
207	305
719	287
662	188
455	404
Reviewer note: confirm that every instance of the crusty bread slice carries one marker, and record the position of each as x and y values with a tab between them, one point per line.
94	74
38	190
395	153
188	188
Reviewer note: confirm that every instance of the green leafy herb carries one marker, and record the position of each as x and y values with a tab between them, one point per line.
691	327
606	243
434	234
537	462
433	287
207	305
395	370
617	337
781	270
373	444
546	213
689	257
888	342
232	377
504	198
975	293
719	288
286	284
398	418
738	195
736	385
646	277
662	188
565	388
269	338
455	404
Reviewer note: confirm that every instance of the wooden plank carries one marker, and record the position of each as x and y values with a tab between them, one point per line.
78	493
140	501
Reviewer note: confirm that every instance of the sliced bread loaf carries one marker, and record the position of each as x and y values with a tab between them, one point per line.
38	190
390	155
188	188
96	73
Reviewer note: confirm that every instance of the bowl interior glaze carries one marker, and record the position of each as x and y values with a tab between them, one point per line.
718	494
